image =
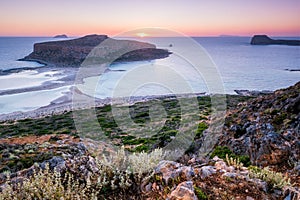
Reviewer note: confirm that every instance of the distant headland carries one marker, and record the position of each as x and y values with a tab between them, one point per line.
61	36
71	53
265	40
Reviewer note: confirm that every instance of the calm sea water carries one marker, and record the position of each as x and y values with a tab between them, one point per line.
240	66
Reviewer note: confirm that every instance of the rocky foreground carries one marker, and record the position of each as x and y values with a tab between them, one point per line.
256	158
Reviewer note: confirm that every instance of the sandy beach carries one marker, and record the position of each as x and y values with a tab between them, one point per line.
73	99
67	103
68	76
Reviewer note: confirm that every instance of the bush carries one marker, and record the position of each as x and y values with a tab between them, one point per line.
48	185
201	127
222	151
116	173
200	194
274	179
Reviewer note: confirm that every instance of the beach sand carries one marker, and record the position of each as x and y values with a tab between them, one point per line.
67	103
73	99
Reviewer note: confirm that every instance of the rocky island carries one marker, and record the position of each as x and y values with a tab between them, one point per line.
265	40
71	53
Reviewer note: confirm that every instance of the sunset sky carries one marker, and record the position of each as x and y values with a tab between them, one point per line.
190	17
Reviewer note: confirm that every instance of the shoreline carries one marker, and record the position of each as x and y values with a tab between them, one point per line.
65	104
68	78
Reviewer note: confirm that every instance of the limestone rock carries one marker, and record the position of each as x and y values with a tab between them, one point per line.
206	171
172	170
184	191
271	149
56	162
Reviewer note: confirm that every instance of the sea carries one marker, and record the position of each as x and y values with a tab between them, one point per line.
236	65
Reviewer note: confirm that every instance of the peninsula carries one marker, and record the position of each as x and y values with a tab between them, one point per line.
71	53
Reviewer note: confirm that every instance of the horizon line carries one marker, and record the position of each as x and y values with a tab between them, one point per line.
112	36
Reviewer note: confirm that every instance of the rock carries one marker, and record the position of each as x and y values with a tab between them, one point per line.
271	149
265	40
230	175
277	193
216	158
252	92
262	185
186	172
292	70
148	187
56	162
81	167
172	170
184	191
206	171
61	36
71	53
297	169
293	105
165	166
220	165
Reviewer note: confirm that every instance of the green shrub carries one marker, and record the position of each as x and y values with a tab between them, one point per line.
201	127
200	194
222	151
279	118
142	148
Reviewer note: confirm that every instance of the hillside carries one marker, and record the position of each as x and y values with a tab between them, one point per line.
257	156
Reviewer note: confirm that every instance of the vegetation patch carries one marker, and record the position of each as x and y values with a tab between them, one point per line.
224	152
200	194
201	127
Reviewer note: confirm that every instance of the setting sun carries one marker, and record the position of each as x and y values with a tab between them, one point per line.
142	34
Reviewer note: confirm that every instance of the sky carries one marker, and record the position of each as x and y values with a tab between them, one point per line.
112	17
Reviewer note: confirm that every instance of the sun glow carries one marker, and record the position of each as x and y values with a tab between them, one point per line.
142	34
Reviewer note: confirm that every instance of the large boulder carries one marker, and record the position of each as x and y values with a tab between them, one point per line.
170	170
184	191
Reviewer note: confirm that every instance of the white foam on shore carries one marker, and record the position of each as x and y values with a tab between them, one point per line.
172	70
30	100
28	78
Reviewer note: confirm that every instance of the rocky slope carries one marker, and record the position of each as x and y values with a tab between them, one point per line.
71	53
267	129
265	40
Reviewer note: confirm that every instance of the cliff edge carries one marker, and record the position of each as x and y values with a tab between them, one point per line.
71	53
